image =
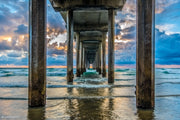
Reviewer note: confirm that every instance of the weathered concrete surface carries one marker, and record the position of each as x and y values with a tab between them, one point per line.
82	56
100	59
111	36
104	55
97	60
60	5
37	53
78	71
145	54
83	60
89	20
70	46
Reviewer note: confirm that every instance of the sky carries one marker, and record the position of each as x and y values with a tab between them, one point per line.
14	34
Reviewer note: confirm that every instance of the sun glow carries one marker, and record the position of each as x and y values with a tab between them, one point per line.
9	39
6	38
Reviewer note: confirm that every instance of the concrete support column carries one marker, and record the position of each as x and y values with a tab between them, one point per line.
94	65
83	60
104	55
97	60
145	54
70	37
78	71
80	58
86	62
100	66
111	17
37	53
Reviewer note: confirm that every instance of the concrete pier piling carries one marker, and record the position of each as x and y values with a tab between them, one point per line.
145	54
37	53
111	21
100	58
78	71
97	60
70	37
104	55
82	58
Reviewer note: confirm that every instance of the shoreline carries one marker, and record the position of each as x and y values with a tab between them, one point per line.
120	67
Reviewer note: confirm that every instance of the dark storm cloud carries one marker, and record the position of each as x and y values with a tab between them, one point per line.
130	33
21	29
55	20
167	48
2	31
129	36
12	14
52	51
4	16
59	60
4	45
125	53
14	54
130	29
118	29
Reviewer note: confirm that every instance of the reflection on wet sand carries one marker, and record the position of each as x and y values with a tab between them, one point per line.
36	113
84	108
145	114
90	108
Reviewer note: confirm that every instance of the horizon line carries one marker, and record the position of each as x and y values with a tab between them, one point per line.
116	66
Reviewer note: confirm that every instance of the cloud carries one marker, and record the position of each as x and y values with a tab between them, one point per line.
21	29
53	52
56	60
167	51
11	57
167	20
55	20
162	4
14	54
4	45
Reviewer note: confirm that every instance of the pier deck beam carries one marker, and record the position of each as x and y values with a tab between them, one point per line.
70	37
104	55
37	53
145	54
111	17
78	58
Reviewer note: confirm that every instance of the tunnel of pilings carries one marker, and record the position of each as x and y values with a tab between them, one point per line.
89	22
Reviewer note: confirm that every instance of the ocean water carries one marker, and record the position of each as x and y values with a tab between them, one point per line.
90	97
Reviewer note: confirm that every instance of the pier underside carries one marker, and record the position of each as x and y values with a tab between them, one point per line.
91	23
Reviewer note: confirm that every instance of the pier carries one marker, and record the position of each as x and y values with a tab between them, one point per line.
90	23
